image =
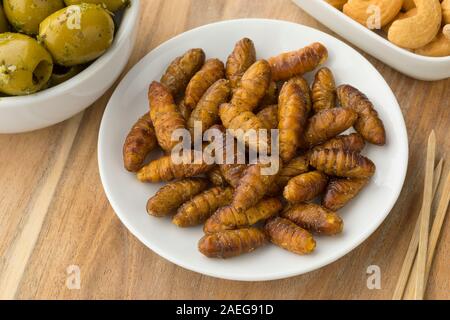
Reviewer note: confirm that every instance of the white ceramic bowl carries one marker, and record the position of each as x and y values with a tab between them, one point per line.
362	216
47	107
411	64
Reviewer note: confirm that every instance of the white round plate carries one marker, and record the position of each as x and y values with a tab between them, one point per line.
362	216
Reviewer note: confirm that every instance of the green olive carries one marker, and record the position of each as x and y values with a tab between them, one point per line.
111	5
3	21
25	65
77	34
26	15
62	74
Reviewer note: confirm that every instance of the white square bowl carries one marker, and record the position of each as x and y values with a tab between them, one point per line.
411	64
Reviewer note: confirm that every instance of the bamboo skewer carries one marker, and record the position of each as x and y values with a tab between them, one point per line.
434	235
425	218
437	224
413	244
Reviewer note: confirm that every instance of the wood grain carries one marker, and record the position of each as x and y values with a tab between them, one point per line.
26	238
80	228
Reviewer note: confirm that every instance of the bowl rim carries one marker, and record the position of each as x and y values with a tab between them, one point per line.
205	271
376	37
130	18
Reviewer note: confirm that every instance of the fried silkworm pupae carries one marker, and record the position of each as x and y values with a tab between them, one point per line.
228	217
171	196
202	206
305	187
184	110
349	142
212	70
369	125
231	243
207	109
164	114
304	86
323	90
139	142
233	173
340	191
165	169
231	167
242	57
314	218
292	117
289	236
328	123
289	64
241	122
252	187
269	116
271	96
342	163
252	87
181	70
293	168
216	177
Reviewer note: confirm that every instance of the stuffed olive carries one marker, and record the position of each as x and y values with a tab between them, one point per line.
3	21
77	34
62	74
111	5
26	15
25	65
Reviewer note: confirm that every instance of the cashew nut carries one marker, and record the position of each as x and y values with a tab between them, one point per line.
439	47
408	5
401	15
419	30
446	31
446	11
366	11
338	4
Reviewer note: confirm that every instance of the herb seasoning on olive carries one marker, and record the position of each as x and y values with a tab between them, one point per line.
26	15
111	5
3	21
25	65
62	74
77	34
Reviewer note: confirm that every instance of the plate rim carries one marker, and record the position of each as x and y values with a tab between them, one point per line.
236	277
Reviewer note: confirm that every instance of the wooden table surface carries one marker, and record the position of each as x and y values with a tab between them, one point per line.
54	213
